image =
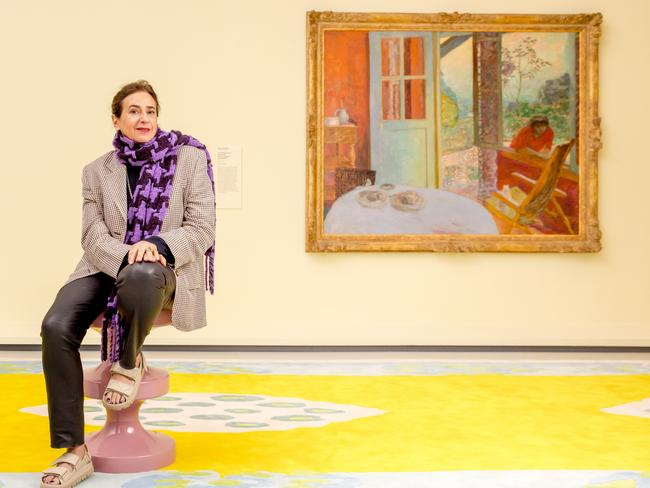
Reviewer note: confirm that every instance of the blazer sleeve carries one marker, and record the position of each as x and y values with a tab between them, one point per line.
196	233
102	249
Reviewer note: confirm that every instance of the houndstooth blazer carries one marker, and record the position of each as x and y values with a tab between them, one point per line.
188	227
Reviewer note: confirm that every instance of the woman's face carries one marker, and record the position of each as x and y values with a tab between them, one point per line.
539	129
139	118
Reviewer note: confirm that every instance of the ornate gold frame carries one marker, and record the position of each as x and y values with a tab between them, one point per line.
588	28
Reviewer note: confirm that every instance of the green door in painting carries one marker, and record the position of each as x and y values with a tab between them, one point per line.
402	121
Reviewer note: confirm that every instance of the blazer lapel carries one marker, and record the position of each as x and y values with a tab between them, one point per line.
116	185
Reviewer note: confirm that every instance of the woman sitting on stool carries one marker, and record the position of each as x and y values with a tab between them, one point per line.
148	240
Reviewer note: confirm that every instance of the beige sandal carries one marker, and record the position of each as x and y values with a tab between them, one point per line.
129	390
69	477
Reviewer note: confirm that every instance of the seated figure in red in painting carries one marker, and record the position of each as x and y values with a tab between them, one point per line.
535	139
527	154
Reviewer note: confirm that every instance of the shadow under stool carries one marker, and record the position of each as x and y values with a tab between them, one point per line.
123	445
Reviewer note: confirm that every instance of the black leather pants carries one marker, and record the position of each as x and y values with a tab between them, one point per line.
143	289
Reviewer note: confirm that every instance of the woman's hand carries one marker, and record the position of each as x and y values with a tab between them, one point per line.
145	251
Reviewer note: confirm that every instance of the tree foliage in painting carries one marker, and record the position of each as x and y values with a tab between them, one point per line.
519	116
556	91
456	119
519	64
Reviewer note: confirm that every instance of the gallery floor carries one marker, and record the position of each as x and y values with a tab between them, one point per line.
374	419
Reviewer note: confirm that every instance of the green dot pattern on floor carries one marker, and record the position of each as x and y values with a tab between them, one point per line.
211	412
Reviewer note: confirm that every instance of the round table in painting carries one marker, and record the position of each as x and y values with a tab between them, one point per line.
443	212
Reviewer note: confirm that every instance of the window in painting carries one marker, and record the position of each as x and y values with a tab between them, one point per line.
456	92
459	156
403	78
538	78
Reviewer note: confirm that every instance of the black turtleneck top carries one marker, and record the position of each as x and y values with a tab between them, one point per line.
133	173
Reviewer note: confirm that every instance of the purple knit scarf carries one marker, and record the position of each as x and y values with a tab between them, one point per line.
157	160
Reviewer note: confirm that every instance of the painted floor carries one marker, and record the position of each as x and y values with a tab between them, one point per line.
424	423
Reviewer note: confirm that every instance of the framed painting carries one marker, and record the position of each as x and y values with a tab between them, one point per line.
452	132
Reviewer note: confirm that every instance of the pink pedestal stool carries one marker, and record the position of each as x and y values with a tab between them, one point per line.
123	445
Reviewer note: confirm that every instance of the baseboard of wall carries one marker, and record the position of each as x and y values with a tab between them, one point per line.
338	348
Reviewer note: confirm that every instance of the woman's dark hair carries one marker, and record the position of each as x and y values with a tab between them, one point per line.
129	89
534	120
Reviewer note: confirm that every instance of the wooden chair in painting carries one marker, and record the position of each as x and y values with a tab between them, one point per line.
520	208
347	179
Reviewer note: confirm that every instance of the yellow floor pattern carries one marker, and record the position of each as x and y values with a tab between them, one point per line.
455	422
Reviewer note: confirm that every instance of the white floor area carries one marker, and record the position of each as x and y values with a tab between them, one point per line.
321	356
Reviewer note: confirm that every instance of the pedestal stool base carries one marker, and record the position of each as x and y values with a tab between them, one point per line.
123	445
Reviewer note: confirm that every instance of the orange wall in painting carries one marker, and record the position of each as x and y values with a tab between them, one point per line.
347	82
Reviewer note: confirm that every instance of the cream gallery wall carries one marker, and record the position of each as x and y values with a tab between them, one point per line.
234	76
